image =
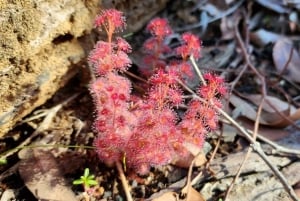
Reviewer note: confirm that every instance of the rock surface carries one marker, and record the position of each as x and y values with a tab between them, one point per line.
137	12
40	47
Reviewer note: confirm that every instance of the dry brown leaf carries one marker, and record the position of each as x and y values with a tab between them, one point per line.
263	37
275	112
42	176
271	103
194	195
297	189
271	108
168	196
285	54
242	108
269	132
195	151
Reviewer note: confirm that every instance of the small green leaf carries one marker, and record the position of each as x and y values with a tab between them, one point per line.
91	177
3	161
86	172
77	182
92	182
86	179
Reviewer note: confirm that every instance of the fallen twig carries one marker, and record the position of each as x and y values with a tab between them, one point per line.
49	115
124	181
255	145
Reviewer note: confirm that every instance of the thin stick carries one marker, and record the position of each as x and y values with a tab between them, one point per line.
255	145
192	59
278	148
44	146
189	183
187	187
135	76
287	62
256	126
238	173
215	150
124	181
257	148
199	175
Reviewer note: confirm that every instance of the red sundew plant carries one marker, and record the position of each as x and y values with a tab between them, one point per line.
147	131
191	46
155	47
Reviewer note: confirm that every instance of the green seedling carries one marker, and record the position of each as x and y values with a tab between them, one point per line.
86	180
3	161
